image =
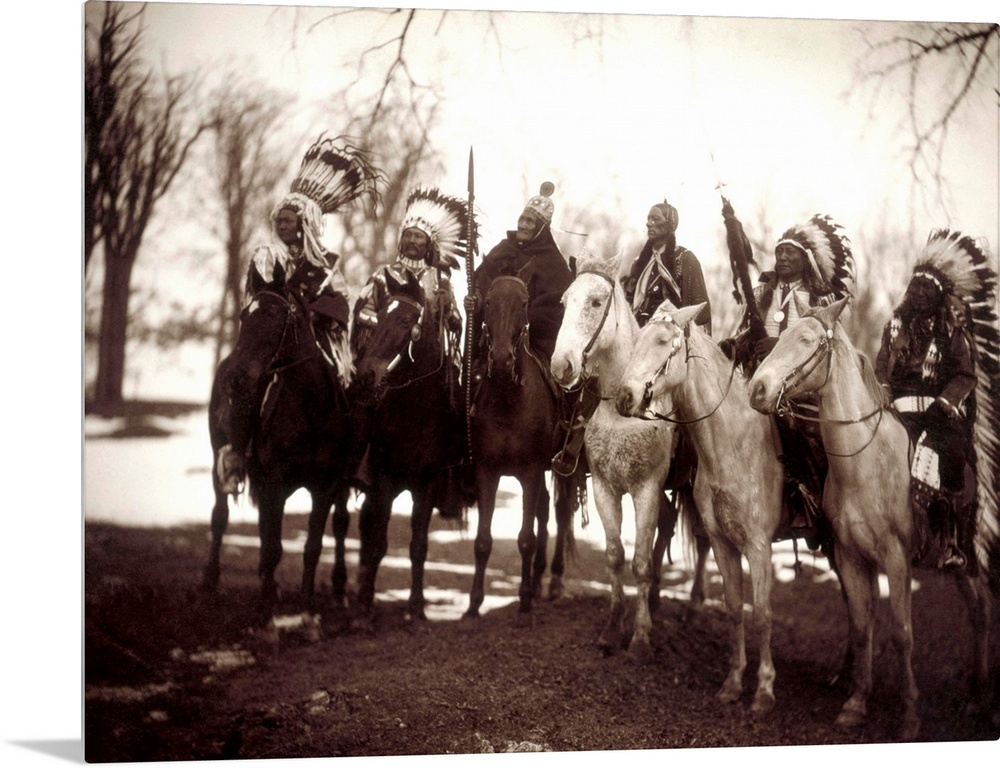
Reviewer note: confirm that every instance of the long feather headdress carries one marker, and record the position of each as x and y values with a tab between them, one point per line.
334	172
962	270
828	250
443	218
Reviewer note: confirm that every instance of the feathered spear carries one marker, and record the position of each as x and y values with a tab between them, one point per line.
740	259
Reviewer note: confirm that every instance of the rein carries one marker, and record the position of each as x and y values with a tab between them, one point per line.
647	394
787	406
290	317
396	360
584	375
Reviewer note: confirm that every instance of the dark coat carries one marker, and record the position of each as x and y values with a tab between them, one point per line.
686	270
551	277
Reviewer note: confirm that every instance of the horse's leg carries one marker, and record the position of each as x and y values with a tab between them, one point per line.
270	509
860	583
728	558
975	592
486	484
609	508
666	523
541	521
846	671
420	520
702	549
897	567
647	511
373	528
762	579
321	501
220	521
564	489
340	522
527	539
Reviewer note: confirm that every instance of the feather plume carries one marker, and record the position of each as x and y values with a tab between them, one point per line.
443	218
334	173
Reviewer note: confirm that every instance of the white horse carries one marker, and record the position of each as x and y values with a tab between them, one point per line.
679	375
866	497
626	455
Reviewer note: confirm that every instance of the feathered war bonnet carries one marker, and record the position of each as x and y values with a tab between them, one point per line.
962	270
333	173
445	221
828	251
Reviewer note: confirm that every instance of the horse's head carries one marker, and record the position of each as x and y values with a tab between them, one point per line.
799	363
272	330
505	320
399	327
658	363
595	310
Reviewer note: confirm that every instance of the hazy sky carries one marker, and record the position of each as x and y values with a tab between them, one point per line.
632	120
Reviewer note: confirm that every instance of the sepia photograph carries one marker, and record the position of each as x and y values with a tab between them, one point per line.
521	384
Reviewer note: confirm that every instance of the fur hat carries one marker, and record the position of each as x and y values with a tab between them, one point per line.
541	204
828	251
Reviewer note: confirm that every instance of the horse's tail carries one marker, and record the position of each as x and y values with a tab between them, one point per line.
688	520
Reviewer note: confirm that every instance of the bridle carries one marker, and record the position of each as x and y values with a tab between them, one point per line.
798	374
414	336
291	320
647	390
584	373
518	341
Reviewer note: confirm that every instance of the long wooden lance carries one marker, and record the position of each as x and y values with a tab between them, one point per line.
470	266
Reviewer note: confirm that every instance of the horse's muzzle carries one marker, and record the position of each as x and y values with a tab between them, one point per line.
760	399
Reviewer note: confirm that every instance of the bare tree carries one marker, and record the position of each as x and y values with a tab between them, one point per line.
137	153
249	163
942	72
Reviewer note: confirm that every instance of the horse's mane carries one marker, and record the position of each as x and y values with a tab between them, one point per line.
865	369
589	262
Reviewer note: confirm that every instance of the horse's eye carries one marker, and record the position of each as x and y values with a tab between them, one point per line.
595	303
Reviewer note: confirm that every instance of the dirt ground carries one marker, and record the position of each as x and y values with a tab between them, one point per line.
174	674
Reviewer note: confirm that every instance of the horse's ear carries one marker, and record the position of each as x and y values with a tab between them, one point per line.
620	263
832	312
391	282
684	315
801	305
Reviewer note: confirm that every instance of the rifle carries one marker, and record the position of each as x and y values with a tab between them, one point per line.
470	251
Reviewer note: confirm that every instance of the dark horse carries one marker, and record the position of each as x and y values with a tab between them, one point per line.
515	420
298	439
406	391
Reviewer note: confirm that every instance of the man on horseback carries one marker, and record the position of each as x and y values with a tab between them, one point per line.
927	362
295	263
814	262
664	271
531	241
430	241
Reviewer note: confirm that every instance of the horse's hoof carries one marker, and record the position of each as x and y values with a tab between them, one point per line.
311	630
910	727
640	651
848	719
729	694
556	590
471	613
363	625
524	620
763	703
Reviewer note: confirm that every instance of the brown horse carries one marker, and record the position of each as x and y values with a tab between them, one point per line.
405	392
866	497
626	455
680	372
515	418
297	441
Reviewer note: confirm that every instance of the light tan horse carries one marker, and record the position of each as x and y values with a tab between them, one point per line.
626	455
679	375
866	496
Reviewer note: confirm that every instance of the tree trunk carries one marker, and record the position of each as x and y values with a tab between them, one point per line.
114	321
